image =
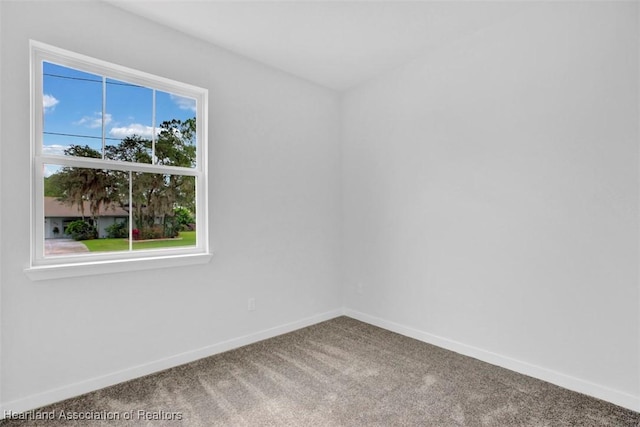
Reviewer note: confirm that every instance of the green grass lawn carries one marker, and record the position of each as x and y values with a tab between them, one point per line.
186	238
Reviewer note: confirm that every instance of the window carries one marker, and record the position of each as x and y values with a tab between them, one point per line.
119	167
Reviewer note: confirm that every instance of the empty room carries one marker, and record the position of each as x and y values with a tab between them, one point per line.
331	213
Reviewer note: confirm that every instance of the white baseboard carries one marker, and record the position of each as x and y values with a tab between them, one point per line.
616	397
71	390
55	395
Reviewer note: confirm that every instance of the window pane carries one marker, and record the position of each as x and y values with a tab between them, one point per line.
98	121
72	106
163	210
81	206
129	126
176	120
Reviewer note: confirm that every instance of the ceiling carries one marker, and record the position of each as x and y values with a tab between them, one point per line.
336	44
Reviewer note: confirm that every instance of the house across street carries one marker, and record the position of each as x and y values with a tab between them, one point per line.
57	215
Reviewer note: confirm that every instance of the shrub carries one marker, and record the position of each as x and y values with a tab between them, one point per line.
81	230
118	230
150	233
183	218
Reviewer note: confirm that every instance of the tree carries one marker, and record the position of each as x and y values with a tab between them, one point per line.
53	187
154	197
176	143
80	185
130	149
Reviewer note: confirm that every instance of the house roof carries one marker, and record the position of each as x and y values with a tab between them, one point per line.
55	208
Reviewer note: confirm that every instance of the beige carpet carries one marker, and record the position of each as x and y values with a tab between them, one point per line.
338	373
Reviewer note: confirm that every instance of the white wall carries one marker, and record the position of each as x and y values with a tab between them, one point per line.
274	203
490	197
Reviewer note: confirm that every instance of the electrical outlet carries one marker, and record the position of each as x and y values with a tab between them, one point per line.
251	305
359	288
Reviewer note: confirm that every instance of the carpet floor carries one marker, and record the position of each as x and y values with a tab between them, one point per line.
337	373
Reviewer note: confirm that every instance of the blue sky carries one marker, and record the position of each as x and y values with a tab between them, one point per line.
72	103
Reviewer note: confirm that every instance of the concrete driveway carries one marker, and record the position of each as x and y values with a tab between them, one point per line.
63	246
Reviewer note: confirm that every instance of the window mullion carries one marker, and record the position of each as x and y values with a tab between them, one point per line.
104	115
153	127
130	211
89	162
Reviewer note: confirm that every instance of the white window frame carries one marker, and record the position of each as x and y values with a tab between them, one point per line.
42	267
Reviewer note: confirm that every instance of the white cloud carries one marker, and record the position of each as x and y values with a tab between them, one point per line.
54	150
184	103
49	102
132	129
95	121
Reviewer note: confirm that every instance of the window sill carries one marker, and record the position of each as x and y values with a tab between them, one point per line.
61	271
